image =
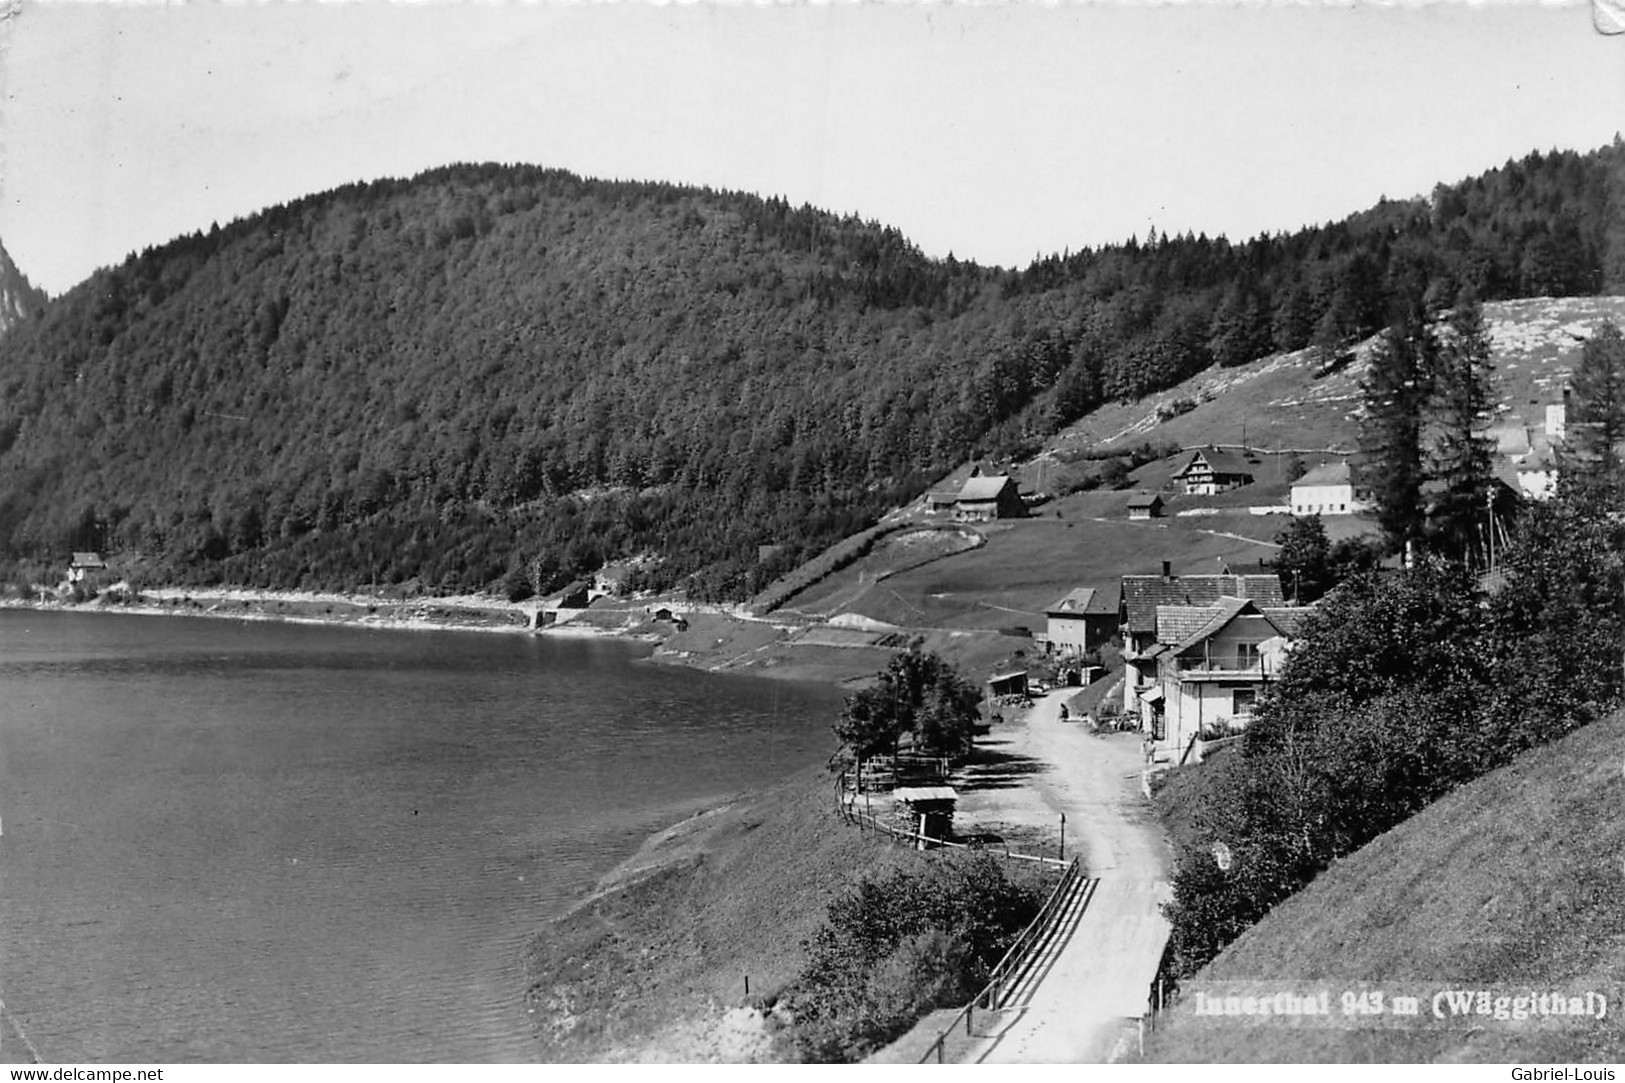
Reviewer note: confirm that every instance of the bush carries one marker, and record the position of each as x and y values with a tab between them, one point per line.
1403	687
517	585
895	948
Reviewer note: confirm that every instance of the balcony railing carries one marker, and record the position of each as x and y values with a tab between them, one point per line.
1234	665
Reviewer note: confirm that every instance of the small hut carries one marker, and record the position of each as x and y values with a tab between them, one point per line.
1013	683
1145	506
924	810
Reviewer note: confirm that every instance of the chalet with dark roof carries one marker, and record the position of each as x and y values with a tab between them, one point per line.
985	497
1208	471
1145	596
1143	593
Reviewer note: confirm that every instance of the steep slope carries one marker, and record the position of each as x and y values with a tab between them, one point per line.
1511	882
19	300
1288	401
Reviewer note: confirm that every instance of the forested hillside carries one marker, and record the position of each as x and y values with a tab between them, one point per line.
490	371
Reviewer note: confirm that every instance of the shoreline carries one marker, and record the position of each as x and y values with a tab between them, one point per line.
711	639
462	614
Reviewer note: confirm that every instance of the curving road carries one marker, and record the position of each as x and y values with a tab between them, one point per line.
1100	980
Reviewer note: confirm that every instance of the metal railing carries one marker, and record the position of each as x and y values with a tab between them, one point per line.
993	994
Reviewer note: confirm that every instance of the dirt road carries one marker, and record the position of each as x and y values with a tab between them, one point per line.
1101	978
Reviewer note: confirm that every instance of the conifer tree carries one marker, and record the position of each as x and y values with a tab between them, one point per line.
1591	461
1395	393
1461	460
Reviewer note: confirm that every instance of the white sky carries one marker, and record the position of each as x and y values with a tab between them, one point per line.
999	131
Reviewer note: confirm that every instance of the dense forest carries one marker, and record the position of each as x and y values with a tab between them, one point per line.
489	371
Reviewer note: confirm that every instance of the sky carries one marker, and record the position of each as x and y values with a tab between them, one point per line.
998	131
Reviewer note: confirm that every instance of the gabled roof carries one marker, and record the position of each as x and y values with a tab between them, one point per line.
1090	601
1505	471
1220	462
1218	615
1144	500
1193	624
1175	623
1142	594
985	487
1288	619
1538	461
1326	474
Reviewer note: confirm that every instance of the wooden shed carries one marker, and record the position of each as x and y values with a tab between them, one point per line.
1013	683
1145	506
925	810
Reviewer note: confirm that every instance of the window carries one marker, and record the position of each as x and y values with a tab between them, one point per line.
1246	655
1242	703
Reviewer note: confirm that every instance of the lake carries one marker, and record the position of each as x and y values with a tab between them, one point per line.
246	841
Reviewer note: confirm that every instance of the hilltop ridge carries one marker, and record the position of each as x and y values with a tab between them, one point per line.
492	376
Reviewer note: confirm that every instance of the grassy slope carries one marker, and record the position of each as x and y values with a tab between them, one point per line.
1278	402
1273	402
1514	879
670	935
1027	564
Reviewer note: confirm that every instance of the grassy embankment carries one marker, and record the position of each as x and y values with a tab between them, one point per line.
652	965
1512	880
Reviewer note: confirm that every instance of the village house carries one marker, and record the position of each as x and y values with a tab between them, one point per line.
84	566
1145	506
1081	621
1142	595
1209	471
1328	489
611	579
1211	665
576	596
1526	456
989	496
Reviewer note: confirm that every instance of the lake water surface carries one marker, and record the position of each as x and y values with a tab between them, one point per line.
233	841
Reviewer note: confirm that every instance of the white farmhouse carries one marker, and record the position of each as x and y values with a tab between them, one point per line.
1326	490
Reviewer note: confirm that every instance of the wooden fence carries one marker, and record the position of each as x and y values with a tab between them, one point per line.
868	821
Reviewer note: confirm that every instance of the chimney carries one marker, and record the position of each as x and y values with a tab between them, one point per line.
1167	569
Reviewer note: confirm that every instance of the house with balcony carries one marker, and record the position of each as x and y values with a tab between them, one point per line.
1143	595
1211	665
1209	471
